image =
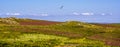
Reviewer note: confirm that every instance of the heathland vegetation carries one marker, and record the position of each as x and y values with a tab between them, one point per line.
16	32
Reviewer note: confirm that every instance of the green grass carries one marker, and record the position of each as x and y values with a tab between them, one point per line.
42	40
71	33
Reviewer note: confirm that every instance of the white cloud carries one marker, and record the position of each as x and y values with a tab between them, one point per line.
12	13
87	14
43	14
106	14
16	13
111	13
103	14
75	13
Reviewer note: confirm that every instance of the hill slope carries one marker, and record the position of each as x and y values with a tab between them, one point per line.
48	33
13	20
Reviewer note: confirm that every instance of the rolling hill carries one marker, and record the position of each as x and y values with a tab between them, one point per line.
41	33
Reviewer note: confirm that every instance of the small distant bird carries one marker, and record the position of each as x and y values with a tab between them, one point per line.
61	7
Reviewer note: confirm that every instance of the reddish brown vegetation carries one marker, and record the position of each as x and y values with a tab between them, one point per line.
38	23
108	41
46	31
107	25
112	43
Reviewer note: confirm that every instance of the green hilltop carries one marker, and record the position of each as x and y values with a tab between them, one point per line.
17	32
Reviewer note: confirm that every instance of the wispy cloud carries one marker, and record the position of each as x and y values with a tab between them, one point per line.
107	14
75	13
111	13
87	14
103	14
84	14
43	14
13	14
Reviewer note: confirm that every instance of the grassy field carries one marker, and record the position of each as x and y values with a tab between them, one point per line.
15	32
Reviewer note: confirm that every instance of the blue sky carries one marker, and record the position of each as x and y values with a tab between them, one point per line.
105	11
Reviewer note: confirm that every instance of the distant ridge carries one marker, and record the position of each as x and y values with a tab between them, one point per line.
25	21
